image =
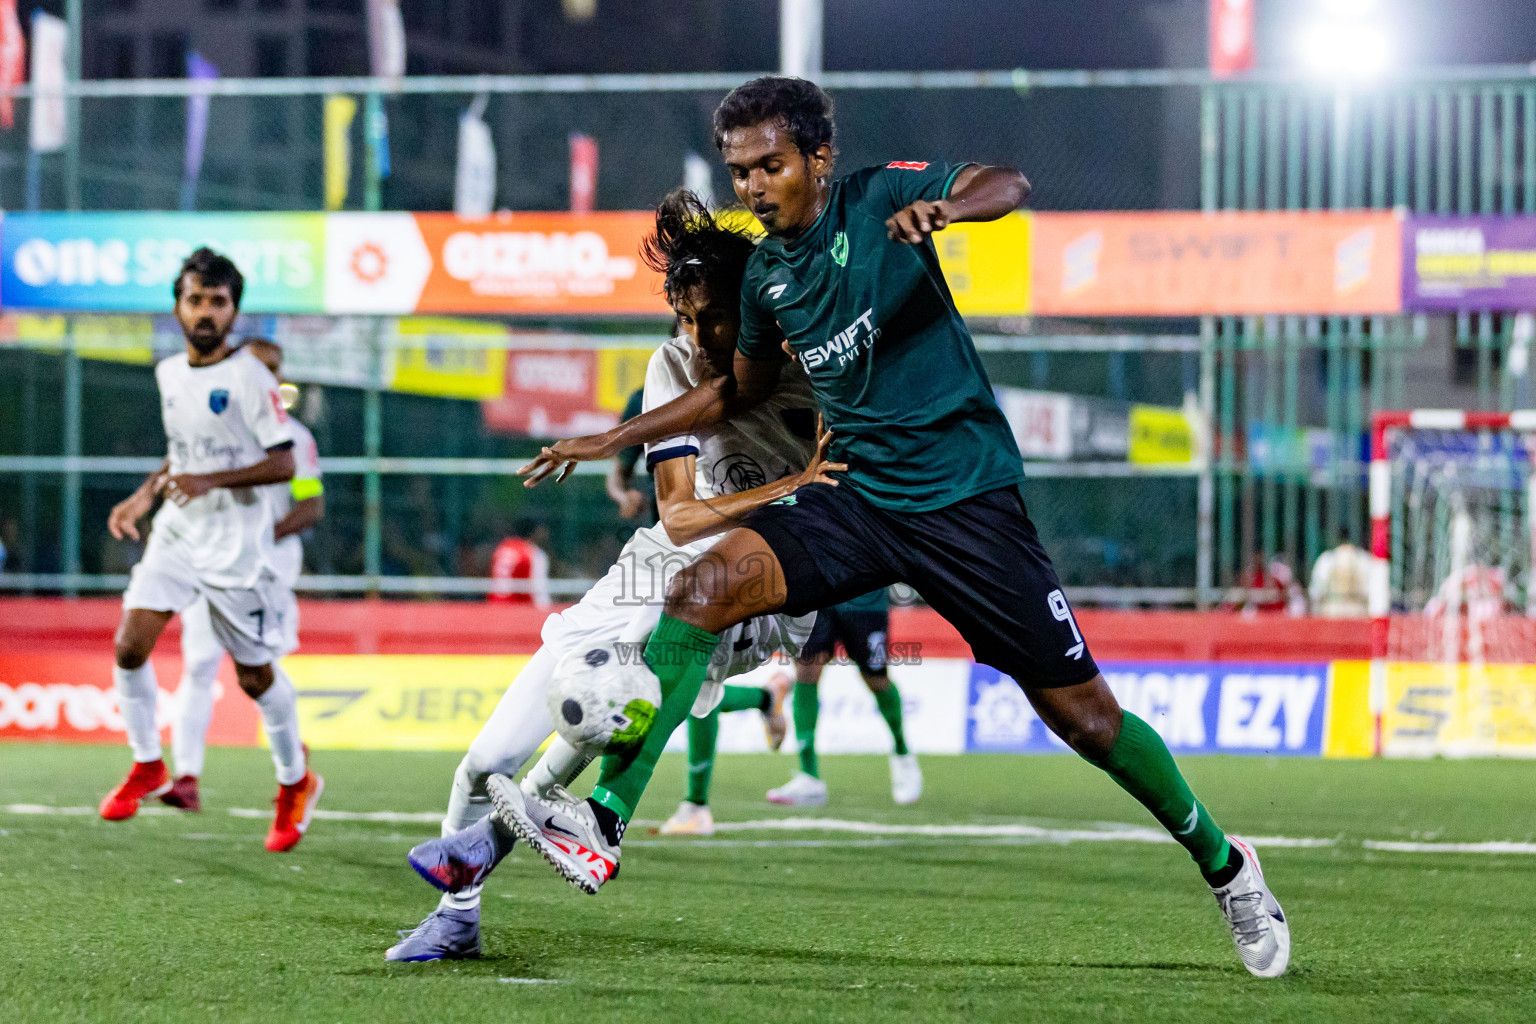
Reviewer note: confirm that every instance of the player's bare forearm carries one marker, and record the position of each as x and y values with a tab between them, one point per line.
707	404
276	468
688	518
304	515
979	193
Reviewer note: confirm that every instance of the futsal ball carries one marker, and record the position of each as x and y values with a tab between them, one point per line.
603	702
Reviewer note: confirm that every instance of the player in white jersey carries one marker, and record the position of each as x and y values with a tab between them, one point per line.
227	437
297	505
704	484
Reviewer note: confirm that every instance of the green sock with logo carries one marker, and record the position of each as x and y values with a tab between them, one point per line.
807	704
1141	764
679	655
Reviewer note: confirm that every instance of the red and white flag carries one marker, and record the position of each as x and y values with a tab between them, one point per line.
1231	37
13	59
583	172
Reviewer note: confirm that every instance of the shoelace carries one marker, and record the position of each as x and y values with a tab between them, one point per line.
1246	912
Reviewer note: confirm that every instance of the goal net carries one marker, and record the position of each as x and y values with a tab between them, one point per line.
1453	603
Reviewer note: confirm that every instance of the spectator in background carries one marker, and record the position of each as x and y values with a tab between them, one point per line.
1340	587
1270	586
521	567
621	477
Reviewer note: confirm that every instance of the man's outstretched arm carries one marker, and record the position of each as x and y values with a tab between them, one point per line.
978	193
711	402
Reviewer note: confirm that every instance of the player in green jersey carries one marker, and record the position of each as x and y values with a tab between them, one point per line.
848	282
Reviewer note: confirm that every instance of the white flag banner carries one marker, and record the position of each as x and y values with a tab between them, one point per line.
386	39
50	37
699	178
474	193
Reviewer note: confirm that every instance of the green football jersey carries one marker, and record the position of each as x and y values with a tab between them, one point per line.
891	362
874	601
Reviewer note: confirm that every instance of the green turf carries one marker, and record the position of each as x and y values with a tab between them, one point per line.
187	918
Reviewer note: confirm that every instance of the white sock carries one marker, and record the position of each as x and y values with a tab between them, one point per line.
137	694
560	764
194	711
280	719
519	723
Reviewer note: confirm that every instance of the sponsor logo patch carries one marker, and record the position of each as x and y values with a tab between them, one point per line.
908	165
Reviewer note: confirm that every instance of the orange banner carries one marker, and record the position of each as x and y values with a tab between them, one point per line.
1193	264
515	263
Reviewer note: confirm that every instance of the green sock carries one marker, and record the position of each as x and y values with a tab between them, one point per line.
888	701
1141	764
807	702
745	698
679	655
702	733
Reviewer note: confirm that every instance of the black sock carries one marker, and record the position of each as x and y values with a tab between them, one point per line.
611	824
765	703
1223	875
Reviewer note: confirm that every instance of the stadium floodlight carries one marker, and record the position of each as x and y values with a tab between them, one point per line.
1345	40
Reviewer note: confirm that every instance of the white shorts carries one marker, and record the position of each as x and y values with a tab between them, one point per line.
252	624
626	603
200	643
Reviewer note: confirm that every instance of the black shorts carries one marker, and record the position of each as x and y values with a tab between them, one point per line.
978	562
863	635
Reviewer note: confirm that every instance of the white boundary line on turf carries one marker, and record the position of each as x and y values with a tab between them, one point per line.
1107	832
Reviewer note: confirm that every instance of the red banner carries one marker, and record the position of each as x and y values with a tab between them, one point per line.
69	698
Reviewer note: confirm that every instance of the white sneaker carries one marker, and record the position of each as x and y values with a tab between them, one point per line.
801	791
689	820
563	830
906	779
1258	924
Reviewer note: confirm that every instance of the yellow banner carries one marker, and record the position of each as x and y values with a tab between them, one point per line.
397	701
473	373
339	112
1348	729
987	265
620	371
1160	435
1459	710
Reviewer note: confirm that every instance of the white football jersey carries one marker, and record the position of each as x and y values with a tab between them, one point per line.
218	418
289	552
774	440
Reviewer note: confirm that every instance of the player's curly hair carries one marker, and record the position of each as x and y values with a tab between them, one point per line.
799	105
213	269
690	248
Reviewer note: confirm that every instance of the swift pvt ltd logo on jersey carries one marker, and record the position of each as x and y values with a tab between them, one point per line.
845	347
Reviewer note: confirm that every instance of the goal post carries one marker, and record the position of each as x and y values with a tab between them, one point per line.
1452	593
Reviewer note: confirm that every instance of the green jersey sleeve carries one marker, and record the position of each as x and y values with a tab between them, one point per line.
760	336
907	181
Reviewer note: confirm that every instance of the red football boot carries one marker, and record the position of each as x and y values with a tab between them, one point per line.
147	779
295	804
183	794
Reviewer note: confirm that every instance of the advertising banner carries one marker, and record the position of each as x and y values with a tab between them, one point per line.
1197	707
1459	710
1194	264
987	265
399	701
1469	263
127	262
69	698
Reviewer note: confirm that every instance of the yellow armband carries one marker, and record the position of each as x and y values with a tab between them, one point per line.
304	488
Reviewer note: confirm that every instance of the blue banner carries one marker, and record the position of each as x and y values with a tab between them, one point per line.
1197	707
